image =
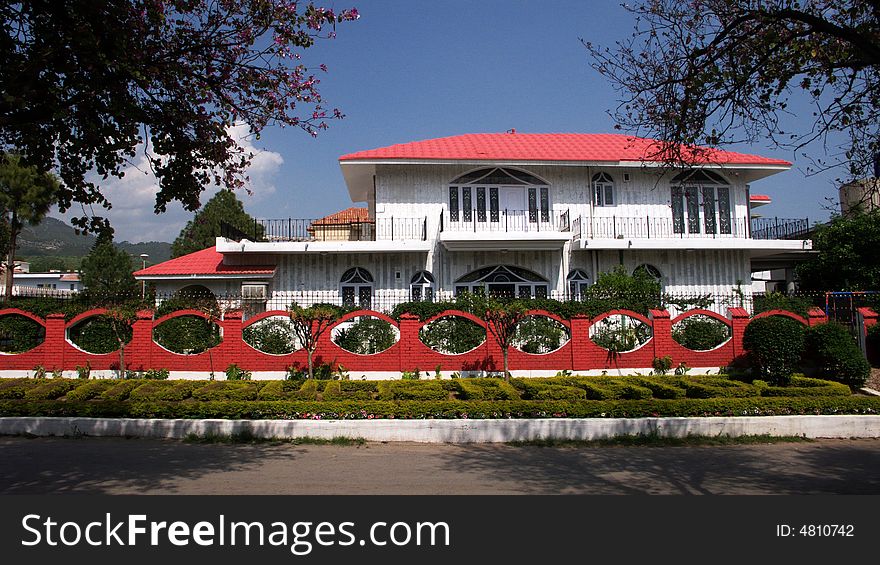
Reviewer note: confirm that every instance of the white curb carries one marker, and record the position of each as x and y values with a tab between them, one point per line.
454	431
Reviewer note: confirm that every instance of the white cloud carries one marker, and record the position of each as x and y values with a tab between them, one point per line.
134	195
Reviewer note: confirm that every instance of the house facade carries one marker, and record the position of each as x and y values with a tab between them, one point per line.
527	215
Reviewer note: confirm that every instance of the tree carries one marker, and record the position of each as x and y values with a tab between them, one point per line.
26	194
848	258
86	84
502	318
710	72
107	271
200	232
310	323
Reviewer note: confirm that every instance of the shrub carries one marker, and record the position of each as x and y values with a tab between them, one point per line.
272	335
279	390
169	391
120	391
420	390
19	334
50	390
485	389
350	390
157	374
620	333
700	333
236	373
227	390
658	389
187	335
308	390
873	344
98	334
452	335
716	387
662	365
803	386
834	352
16	388
775	345
779	301
413	375
539	334
90	390
84	371
366	336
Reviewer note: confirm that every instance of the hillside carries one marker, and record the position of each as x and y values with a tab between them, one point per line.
54	238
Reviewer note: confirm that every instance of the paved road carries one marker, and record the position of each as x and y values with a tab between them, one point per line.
144	466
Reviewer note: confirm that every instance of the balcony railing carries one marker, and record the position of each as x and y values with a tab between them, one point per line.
324	229
780	228
647	227
509	221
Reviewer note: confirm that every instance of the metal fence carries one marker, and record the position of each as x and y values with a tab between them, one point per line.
329	229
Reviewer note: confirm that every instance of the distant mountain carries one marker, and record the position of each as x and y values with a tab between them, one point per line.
54	238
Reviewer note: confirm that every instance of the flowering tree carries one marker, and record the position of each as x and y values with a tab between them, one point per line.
310	323
502	318
86	84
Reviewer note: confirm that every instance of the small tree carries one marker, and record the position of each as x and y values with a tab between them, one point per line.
310	323
26	195
502	319
200	232
106	270
775	345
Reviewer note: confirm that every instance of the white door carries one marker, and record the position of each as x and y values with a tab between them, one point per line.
512	202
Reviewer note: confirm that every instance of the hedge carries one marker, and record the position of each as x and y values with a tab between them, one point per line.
120	390
279	390
760	406
91	389
716	387
412	390
228	390
51	389
16	388
163	391
485	389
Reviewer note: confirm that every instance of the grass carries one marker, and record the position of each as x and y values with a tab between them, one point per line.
247	437
654	440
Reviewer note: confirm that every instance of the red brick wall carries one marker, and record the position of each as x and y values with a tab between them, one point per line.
409	353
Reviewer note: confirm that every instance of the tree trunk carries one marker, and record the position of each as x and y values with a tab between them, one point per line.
310	351
10	259
506	371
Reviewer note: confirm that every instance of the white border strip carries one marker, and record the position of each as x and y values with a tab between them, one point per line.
454	431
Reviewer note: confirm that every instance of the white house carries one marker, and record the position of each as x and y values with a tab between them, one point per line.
530	215
51	283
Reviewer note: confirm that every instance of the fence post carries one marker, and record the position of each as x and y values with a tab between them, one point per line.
230	349
739	319
661	325
580	340
866	318
408	325
139	351
816	316
56	342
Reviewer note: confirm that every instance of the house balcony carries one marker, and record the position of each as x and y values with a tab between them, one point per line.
762	237
474	230
326	235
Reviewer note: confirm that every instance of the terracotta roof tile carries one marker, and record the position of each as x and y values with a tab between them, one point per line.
349	215
546	147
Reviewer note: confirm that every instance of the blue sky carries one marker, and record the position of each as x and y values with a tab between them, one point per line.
411	70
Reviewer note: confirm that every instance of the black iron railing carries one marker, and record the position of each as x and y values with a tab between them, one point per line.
329	229
505	220
780	228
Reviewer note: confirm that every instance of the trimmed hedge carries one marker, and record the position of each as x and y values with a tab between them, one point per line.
715	387
51	389
16	388
163	391
485	389
759	406
91	389
228	390
832	349
775	345
412	390
120	391
279	390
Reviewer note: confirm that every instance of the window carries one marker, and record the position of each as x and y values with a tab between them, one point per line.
485	195
254	296
503	280
700	203
603	190
421	287
578	283
650	270
356	288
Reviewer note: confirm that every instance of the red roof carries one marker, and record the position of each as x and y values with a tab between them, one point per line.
205	262
759	198
347	216
547	147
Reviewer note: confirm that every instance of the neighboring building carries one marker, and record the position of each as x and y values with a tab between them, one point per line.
530	215
45	283
862	194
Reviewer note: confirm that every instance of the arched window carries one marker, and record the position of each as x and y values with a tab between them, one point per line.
499	195
356	284
503	280
421	287
650	270
603	189
700	201
578	283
